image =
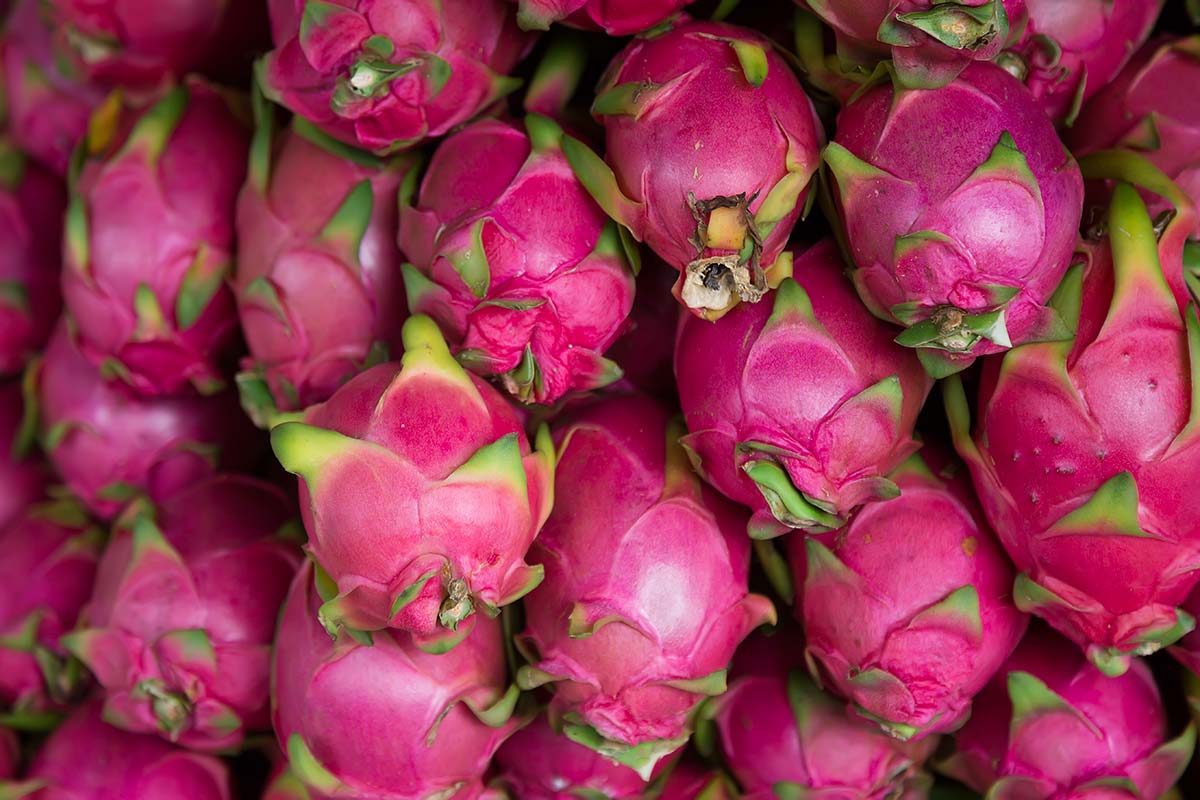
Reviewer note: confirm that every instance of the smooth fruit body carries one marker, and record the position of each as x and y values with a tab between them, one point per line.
614	17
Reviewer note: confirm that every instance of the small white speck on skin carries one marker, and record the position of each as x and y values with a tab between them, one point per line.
698	144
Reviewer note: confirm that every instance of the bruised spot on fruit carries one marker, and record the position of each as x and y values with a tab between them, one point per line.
969	546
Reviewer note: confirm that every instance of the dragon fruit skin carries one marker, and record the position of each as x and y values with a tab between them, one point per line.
645	597
147	247
51	552
22	476
31	212
614	17
209	562
445	714
645	351
386	75
1080	448
1187	649
777	729
318	278
799	459
1106	734
108	444
419	493
87	759
711	142
881	621
689	780
921	202
532	303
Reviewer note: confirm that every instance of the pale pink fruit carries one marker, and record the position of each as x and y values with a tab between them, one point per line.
614	17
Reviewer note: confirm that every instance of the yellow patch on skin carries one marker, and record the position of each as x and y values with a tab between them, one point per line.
970	545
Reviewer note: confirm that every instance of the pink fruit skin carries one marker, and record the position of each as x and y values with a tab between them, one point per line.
486	195
87	759
836	437
645	350
646	578
148	246
776	727
22	476
690	780
331	699
318	275
614	17
48	569
180	625
1114	728
1187	649
876	606
921	203
310	70
31	213
107	443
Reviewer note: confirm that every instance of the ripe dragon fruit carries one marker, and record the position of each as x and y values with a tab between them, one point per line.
908	609
535	304
645	350
87	759
783	738
209	563
800	459
444	715
31	211
721	215
690	781
1187	649
645	597
22	476
1052	726
385	76
1082	448
614	17
921	203
449	495
49	565
109	444
148	247
318	276
1068	52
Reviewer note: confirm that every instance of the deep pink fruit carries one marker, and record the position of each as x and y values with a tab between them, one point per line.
614	17
23	476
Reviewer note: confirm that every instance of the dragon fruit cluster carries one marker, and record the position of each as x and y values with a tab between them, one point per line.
601	399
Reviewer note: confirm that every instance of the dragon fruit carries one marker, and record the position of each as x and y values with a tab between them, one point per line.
645	597
718	210
448	495
22	477
908	609
535	304
87	759
1068	52
318	275
799	458
1051	725
31	212
782	737
387	75
109	444
49	565
10	754
645	350
445	715
1082	448
690	781
614	17
148	246
1187	649
958	232
209	562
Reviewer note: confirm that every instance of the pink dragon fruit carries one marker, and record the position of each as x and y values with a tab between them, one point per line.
386	75
1083	448
445	715
31	212
1052	726
109	444
180	625
535	304
87	759
1068	52
645	597
922	203
690	781
1187	649
318	276
799	458
645	350
718	210
908	609
614	17
22	476
448	495
783	738
49	565
148	245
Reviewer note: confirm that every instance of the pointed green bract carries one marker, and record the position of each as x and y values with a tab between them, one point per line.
1112	509
753	60
598	178
426	352
790	506
349	223
410	592
1031	697
201	282
641	758
308	768
471	264
500	462
303	449
154	128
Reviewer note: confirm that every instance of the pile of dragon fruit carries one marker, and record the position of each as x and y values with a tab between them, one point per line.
599	399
